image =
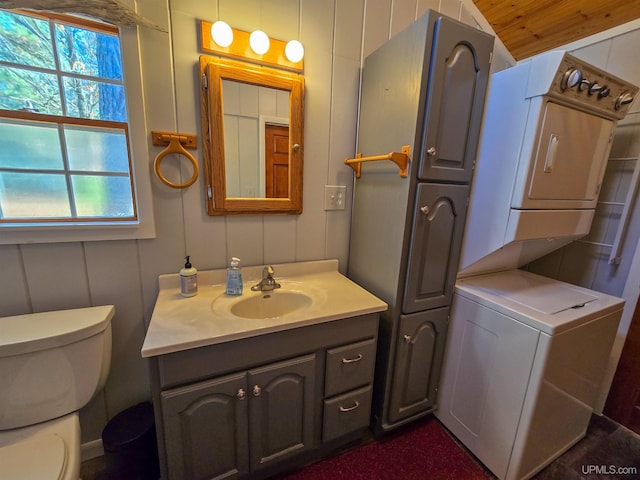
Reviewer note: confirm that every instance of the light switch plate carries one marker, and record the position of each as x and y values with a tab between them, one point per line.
334	197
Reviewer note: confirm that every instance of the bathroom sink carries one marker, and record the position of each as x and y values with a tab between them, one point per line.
270	304
310	293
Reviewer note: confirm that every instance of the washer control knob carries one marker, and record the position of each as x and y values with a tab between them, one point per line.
605	92
584	84
623	99
570	79
595	87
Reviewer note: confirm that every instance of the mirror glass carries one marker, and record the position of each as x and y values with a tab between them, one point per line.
252	138
256	140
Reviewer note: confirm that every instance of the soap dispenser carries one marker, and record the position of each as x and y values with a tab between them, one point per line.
188	279
234	278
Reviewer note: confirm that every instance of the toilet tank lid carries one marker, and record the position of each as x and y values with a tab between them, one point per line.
38	331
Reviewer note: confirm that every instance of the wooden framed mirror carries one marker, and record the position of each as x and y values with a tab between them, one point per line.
252	130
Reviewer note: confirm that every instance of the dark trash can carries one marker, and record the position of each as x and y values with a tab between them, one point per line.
129	442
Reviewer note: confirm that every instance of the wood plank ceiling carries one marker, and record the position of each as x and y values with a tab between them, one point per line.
528	27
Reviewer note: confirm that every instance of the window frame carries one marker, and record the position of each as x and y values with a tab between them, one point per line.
83	230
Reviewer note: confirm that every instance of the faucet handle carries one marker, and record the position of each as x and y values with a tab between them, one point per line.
268	271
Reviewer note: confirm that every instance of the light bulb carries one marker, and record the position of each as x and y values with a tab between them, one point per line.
259	42
294	51
222	33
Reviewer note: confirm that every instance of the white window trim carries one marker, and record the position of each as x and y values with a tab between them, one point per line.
144	227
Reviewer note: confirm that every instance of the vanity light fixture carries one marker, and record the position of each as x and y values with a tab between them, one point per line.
220	39
294	51
259	42
222	33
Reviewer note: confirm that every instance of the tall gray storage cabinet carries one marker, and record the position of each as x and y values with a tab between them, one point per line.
425	89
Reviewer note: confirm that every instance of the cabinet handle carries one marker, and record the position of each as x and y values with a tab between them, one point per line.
256	390
425	210
241	394
350	409
431	151
407	338
357	358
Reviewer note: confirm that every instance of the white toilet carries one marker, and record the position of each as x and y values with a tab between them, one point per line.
51	365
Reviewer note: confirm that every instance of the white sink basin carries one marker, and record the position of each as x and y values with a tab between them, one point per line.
270	304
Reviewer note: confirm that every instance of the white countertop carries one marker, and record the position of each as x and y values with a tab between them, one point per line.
180	323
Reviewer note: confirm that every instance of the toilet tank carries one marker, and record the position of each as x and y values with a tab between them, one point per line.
52	363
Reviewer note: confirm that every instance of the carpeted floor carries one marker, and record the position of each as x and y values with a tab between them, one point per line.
423	450
426	451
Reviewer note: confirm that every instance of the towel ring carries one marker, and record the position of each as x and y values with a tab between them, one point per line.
175	146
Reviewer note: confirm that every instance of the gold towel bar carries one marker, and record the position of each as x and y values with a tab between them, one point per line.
400	159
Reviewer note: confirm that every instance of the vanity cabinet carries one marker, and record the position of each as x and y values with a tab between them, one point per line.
198	416
251	407
239	414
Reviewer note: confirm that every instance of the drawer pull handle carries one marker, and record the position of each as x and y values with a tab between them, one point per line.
350	409
357	358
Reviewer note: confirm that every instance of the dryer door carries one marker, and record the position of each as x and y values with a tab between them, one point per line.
567	160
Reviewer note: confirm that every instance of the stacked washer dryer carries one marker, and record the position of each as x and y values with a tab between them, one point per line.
526	354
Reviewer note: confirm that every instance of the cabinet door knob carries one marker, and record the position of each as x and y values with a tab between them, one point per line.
431	151
425	210
257	390
357	358
241	394
350	409
407	338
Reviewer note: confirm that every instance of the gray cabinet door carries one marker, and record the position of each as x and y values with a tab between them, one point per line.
281	409
206	429
434	251
458	77
420	348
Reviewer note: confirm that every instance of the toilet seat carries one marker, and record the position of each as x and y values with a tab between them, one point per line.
17	462
48	450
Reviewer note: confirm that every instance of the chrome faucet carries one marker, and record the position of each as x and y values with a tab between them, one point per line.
267	283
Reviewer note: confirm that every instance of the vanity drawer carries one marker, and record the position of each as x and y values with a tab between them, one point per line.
349	366
346	413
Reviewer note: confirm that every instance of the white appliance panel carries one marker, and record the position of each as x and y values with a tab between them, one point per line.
525	225
526	354
515	395
484	380
543	303
563	388
535	292
568	161
543	149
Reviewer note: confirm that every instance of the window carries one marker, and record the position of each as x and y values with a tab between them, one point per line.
65	149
